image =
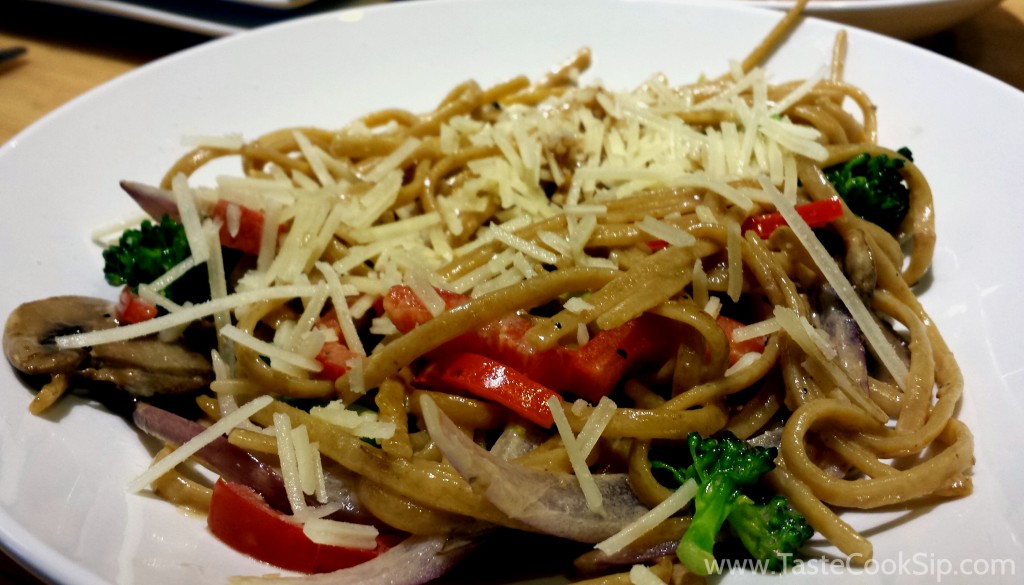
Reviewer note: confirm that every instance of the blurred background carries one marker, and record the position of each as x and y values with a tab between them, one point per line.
71	46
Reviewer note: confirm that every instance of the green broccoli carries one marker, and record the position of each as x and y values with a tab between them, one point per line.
771	532
724	467
873	187
144	254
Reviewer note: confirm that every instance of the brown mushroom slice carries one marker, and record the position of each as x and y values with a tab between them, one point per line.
147	366
859	265
143	366
32	327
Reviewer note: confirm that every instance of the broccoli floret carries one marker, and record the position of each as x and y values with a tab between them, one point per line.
721	466
771	532
725	466
144	254
873	187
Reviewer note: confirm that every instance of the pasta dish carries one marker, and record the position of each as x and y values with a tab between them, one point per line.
669	326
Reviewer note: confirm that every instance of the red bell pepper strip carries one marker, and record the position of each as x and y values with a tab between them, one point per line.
491	380
132	309
589	372
815	213
250	227
593	370
242	519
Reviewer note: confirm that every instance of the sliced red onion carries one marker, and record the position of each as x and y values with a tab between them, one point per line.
597	560
551	503
239	466
232	463
771	438
156	202
416	560
516	441
845	336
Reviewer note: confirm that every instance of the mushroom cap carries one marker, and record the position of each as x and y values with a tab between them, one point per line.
142	366
32	327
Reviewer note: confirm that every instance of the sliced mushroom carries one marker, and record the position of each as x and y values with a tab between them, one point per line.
859	265
32	327
143	366
148	366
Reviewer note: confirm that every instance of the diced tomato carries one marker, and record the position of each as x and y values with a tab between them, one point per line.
334	357
738	348
491	380
132	309
406	310
250	227
244	521
815	213
589	372
656	245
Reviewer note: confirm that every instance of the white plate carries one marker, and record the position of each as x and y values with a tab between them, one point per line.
63	506
903	19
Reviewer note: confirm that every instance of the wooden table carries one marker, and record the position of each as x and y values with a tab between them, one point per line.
70	52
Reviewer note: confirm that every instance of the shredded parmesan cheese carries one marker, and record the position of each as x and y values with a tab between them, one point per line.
578	305
337	533
185	199
363	424
582	334
667	232
801	331
576	457
393	160
744	361
173	274
754	330
185	315
270	350
713	307
861	314
341	308
201	440
644	524
289	462
642	575
595	425
526	247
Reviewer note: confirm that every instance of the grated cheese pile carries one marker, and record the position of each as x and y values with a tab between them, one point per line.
620	143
